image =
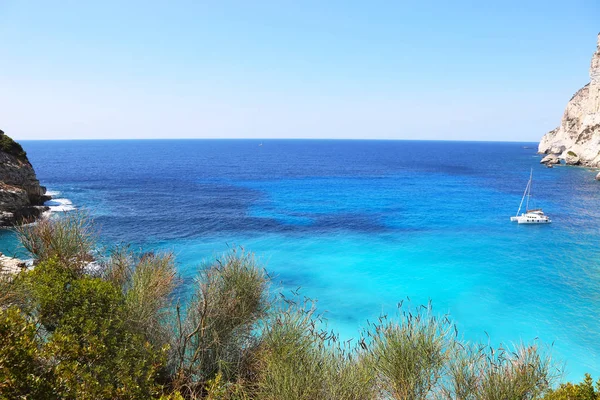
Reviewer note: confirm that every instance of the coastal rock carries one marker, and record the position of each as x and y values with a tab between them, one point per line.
21	195
550	159
10	265
579	131
571	158
598	176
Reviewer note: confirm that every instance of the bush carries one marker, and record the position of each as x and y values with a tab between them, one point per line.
9	293
8	145
585	390
289	361
147	282
520	373
349	376
298	359
230	298
94	353
482	372
69	239
22	372
51	293
409	356
88	347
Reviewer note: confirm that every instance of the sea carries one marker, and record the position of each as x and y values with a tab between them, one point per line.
359	226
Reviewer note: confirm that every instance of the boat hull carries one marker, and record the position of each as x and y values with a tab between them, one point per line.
547	221
535	217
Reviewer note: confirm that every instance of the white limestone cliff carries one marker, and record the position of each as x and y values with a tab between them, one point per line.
577	139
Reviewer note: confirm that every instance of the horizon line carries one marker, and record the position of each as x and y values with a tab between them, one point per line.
276	139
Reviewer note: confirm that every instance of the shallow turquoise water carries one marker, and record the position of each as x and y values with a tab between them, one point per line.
361	225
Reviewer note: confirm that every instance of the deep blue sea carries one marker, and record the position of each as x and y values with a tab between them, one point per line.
361	225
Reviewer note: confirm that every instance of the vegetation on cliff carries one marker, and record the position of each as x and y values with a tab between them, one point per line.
8	145
115	329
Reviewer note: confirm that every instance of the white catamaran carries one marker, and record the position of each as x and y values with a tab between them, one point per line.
535	216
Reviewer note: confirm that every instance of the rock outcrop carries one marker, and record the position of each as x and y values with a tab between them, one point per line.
21	195
10	265
577	139
550	159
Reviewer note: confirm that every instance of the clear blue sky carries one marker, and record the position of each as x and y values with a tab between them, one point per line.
469	70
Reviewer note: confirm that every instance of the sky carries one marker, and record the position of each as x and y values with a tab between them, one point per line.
431	70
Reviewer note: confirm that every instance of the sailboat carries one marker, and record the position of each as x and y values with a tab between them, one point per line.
534	216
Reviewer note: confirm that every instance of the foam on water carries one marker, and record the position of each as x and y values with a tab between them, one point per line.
60	205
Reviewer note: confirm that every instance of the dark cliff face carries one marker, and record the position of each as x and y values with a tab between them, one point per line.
21	196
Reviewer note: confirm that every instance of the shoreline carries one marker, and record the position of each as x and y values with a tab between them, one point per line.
11	265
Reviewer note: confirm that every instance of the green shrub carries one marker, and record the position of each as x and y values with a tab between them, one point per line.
220	389
520	373
571	153
9	146
51	293
69	239
298	359
348	373
22	372
482	372
10	293
231	296
585	390
409	356
147	282
289	361
89	347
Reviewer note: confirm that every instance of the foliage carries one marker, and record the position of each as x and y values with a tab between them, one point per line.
482	372
220	389
51	293
88	348
95	353
21	371
147	282
349	376
521	373
585	390
8	145
409	355
297	359
289	361
215	333
9	292
70	239
172	396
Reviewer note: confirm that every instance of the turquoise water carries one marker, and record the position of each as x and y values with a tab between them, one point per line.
362	225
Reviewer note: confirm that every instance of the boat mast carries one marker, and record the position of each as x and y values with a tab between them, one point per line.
523	198
529	189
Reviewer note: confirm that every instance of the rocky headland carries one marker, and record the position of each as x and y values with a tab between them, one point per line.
577	140
21	195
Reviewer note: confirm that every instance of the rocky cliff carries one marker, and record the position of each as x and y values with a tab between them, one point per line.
577	139
21	196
